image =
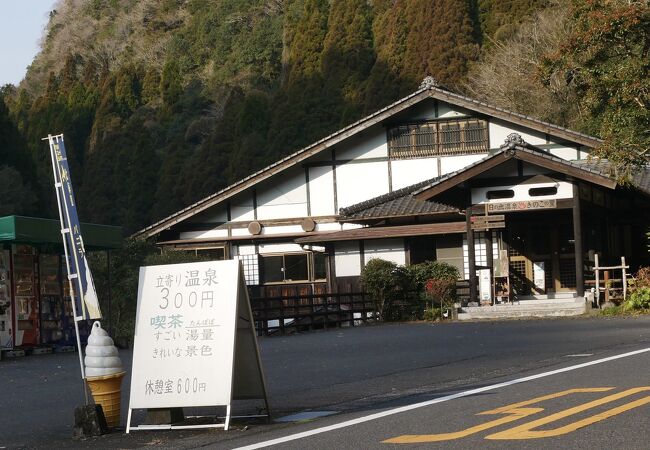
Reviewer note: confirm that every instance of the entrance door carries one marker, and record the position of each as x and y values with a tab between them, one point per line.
531	258
564	275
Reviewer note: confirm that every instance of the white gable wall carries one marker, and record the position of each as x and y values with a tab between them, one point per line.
321	191
358	182
445	110
369	144
386	249
241	207
500	129
406	172
284	196
347	259
452	163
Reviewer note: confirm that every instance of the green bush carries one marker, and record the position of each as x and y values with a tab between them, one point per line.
379	279
433	270
406	292
431	314
639	299
612	311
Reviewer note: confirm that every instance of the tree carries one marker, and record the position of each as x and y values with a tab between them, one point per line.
509	76
607	58
17	197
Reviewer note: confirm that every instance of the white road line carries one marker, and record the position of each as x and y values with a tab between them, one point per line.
390	412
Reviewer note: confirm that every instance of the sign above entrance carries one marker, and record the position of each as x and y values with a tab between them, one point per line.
484	223
526	205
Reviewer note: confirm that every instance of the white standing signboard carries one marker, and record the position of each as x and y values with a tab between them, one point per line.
194	343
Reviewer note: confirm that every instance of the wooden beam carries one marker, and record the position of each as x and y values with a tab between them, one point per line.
577	242
471	257
423	229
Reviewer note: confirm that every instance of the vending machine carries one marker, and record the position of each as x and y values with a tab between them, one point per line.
52	309
26	296
6	322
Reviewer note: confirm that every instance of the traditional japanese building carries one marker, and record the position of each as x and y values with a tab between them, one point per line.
435	175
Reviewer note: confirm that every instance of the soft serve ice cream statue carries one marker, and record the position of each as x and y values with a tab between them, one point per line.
104	373
101	355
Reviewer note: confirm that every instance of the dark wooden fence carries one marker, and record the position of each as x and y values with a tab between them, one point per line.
293	313
302	312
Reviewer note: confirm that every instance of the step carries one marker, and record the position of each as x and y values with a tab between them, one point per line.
532	309
17	353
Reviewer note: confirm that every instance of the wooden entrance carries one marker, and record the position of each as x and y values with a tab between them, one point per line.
541	257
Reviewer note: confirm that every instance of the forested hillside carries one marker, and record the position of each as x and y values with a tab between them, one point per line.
165	101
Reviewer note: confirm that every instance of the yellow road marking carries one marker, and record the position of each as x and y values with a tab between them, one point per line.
526	431
515	411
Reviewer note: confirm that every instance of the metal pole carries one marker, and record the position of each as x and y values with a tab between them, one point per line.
624	278
108	270
597	273
57	186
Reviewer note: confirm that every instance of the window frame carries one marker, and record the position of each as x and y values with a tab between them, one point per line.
311	274
424	139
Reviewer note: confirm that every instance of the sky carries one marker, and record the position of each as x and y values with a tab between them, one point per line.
23	22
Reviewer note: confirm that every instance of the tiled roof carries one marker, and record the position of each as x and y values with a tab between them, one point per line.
404	205
639	178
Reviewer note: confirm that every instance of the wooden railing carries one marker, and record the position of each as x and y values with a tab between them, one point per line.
294	313
302	312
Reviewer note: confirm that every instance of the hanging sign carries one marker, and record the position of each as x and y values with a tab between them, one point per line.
85	296
194	342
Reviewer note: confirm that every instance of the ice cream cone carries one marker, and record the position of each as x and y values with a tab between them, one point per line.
107	391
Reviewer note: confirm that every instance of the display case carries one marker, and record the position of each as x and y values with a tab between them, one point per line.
6	322
26	296
52	309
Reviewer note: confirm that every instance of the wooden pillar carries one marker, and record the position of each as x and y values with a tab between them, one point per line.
471	256
490	261
488	249
330	269
577	241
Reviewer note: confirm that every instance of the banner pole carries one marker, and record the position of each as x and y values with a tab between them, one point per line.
57	187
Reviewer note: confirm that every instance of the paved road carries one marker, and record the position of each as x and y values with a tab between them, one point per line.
603	406
350	371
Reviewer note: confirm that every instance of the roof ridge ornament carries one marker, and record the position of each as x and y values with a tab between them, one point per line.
430	82
514	139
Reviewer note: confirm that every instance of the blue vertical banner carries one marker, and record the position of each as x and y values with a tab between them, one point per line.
85	296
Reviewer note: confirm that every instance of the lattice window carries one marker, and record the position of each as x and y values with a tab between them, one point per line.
436	138
251	269
518	278
568	273
480	250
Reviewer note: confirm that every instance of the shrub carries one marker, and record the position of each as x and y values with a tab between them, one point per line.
378	279
432	314
433	270
642	278
400	292
639	299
